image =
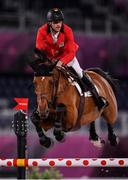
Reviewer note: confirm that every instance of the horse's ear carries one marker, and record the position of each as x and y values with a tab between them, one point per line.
42	56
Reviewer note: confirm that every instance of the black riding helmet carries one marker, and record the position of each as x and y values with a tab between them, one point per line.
55	14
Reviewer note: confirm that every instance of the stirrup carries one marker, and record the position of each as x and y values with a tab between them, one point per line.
102	103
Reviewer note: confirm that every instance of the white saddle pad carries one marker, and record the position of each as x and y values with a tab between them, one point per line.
87	93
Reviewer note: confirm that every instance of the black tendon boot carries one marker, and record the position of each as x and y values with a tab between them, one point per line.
100	101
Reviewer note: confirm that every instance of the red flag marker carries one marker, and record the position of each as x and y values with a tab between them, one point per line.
22	104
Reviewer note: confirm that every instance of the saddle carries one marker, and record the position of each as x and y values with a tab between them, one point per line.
73	77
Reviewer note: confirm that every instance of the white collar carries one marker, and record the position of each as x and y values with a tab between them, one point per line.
54	36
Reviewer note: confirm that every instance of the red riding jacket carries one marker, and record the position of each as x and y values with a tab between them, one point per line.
64	49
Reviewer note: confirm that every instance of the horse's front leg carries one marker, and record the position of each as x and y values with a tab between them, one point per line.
58	124
44	140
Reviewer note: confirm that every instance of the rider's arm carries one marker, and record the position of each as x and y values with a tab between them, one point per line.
70	47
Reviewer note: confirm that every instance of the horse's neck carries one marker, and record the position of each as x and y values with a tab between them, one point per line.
60	74
61	80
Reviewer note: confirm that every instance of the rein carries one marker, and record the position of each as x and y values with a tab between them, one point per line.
54	95
55	88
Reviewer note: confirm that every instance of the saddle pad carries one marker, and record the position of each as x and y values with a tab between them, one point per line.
87	93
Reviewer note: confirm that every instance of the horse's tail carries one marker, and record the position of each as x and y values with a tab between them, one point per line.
114	83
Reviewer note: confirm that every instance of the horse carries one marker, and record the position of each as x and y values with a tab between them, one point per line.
61	107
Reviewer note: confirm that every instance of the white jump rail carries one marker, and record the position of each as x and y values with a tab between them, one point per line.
65	162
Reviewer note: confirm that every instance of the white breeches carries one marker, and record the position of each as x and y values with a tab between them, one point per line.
76	66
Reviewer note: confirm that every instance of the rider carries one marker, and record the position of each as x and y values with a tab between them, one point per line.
56	40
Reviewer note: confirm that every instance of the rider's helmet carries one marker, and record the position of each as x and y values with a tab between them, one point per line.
55	14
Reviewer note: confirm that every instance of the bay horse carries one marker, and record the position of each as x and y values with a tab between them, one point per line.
58	105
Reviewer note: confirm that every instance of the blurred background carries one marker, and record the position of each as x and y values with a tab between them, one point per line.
101	30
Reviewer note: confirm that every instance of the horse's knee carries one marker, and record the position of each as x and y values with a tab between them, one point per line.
35	118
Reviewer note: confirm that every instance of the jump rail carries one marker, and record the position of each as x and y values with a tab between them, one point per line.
65	162
21	162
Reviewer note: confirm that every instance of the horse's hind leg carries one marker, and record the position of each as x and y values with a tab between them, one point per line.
58	126
44	140
110	119
113	139
93	137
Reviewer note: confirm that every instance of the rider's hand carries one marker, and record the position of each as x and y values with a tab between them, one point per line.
59	64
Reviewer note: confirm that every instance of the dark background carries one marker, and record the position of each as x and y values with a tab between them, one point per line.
101	30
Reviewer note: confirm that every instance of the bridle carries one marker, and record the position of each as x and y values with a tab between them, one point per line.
52	103
55	86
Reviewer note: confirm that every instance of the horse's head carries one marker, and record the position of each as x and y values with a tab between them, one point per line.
49	89
43	90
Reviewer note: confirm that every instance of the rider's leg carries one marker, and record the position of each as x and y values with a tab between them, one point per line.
76	66
101	102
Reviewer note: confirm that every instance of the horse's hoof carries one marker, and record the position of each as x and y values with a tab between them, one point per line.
60	136
114	140
47	142
63	139
99	143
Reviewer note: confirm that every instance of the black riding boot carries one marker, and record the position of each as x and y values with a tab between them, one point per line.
100	101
